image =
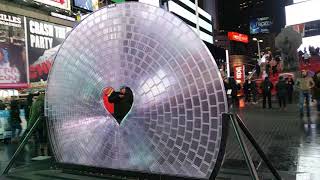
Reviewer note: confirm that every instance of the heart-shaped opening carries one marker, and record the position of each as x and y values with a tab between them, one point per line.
118	103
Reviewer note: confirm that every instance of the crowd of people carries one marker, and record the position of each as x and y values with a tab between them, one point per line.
305	56
33	107
251	91
307	87
269	65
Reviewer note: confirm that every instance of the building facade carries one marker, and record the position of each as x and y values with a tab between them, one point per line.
260	19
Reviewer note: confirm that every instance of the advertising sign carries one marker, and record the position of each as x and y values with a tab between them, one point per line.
44	40
62	4
302	12
239	73
234	36
13	64
90	5
260	25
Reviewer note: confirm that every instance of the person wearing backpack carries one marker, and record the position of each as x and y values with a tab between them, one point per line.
266	87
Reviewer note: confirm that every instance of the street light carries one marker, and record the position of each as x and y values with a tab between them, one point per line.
258	42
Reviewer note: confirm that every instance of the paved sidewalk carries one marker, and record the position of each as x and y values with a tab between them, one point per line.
292	144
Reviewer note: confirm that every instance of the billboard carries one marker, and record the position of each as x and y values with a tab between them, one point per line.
44	39
313	41
234	36
13	63
260	25
90	5
310	10
62	4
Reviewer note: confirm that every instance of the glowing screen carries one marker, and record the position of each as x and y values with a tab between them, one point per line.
302	12
174	126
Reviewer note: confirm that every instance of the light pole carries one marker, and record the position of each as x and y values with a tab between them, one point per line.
228	63
258	42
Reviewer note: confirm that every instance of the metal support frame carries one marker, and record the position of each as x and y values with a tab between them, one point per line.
21	146
237	125
263	156
244	148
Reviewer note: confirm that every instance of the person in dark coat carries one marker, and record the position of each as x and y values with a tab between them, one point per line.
2	105
15	120
234	93
122	102
27	106
247	90
254	91
266	87
258	70
290	85
282	91
317	90
268	67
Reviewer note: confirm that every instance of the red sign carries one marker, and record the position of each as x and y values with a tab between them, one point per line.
234	36
239	73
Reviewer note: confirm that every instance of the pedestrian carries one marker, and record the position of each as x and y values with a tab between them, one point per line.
279	67
266	87
273	64
258	69
247	90
122	102
317	90
304	84
37	112
234	92
290	86
2	105
282	91
15	120
268	66
306	57
28	105
254	91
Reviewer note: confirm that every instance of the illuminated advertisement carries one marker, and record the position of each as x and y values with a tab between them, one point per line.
310	10
234	36
13	64
260	25
62	4
44	39
90	5
239	73
27	45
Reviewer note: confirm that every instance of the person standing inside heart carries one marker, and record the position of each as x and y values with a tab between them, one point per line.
122	102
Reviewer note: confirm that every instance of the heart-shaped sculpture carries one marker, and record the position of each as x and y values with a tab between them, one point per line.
174	127
118	104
